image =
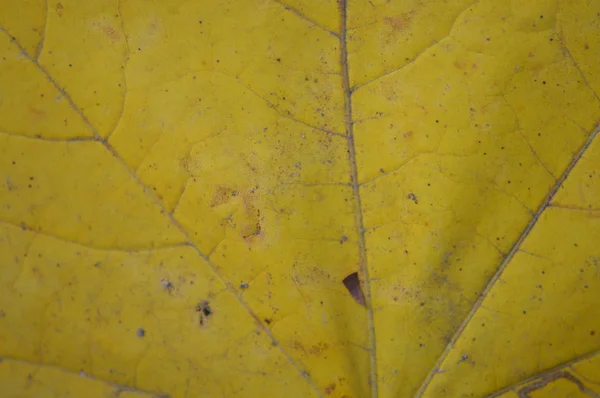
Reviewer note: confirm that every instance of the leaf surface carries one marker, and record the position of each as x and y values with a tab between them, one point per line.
185	187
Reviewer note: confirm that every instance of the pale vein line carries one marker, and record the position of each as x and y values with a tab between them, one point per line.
40	138
180	196
583	77
403	66
531	148
119	387
508	259
25	227
285	115
40	46
574	208
306	18
512	195
230	287
138	168
120	117
558	368
491	243
61	90
417	56
363	264
532	254
395	169
534	152
314	184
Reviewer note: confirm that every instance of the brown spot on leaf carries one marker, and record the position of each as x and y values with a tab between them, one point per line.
37	112
352	283
329	389
113	34
401	22
316	349
221	196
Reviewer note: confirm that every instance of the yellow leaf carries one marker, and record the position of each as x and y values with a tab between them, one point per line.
299	198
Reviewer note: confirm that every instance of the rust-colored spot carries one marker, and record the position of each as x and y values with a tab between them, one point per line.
401	22
329	389
315	349
37	112
222	195
252	231
352	283
59	9
113	34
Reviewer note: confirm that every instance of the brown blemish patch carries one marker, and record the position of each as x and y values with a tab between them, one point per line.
315	349
245	216
222	195
401	22
113	34
37	112
252	229
460	64
329	389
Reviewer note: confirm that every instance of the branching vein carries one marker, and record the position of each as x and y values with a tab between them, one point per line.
230	287
515	248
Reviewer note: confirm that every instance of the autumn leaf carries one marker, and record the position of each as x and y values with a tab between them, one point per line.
299	198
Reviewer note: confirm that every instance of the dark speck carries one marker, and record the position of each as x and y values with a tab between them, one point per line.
141	332
412	197
204	309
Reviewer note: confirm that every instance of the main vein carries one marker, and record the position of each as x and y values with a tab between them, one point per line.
363	265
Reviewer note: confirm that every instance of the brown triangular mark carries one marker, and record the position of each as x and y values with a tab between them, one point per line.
352	283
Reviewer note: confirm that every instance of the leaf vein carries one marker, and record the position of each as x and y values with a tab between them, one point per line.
515	248
363	264
306	18
293	362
